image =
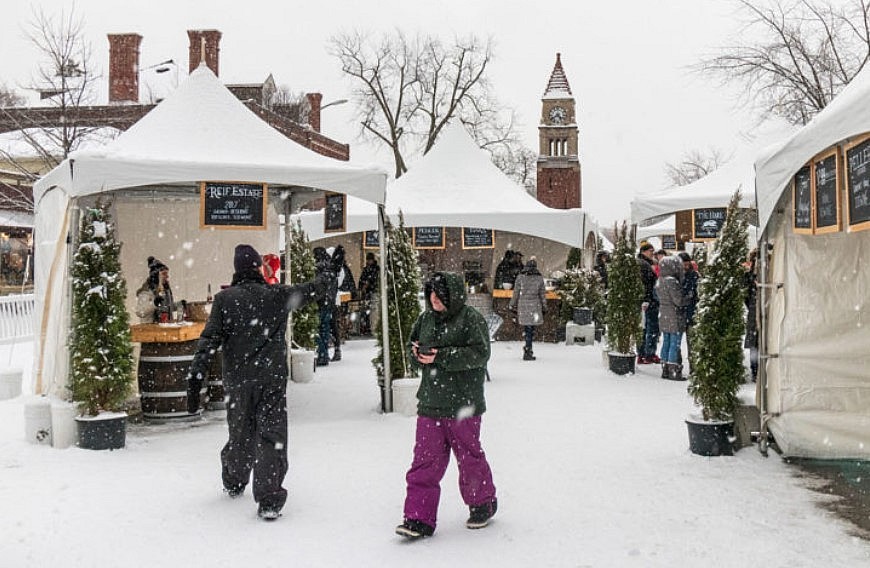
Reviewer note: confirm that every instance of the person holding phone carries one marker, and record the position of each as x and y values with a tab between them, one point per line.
450	342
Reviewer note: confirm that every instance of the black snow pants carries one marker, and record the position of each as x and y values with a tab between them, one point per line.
257	420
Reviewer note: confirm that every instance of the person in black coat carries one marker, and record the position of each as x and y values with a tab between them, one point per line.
345	282
323	264
368	286
248	321
601	260
646	350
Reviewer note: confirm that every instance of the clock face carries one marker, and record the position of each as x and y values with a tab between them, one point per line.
558	115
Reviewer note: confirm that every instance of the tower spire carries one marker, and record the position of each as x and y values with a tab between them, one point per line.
558	84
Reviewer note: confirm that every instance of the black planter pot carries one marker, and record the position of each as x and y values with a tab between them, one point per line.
102	433
620	363
711	438
599	334
582	316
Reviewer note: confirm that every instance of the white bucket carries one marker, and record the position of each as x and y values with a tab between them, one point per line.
405	396
10	383
63	424
301	365
37	421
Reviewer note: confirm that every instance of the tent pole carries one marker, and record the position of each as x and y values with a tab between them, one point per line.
385	319
288	268
762	322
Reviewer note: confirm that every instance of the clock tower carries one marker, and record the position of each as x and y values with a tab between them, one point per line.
558	162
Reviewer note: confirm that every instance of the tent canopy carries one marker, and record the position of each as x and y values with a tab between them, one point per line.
815	322
201	132
456	184
716	188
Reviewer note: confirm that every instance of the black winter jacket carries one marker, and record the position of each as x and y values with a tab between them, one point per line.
248	320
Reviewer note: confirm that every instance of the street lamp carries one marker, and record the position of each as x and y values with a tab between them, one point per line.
333	103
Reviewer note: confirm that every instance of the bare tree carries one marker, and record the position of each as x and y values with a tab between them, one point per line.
65	78
693	166
519	163
9	98
409	88
809	51
294	106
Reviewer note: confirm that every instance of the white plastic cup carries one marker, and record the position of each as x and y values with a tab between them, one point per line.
301	365
37	421
63	424
405	396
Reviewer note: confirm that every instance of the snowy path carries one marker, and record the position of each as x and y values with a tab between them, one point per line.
591	470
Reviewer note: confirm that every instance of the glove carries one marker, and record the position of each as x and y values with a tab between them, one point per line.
194	385
644	306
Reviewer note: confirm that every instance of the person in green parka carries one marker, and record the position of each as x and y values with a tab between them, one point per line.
450	342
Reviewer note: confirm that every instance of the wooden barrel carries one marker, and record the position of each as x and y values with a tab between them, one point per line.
163	370
215	384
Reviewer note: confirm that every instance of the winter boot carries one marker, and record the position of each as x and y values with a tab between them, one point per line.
527	354
336	355
481	514
676	372
666	371
322	361
234	491
413	529
268	513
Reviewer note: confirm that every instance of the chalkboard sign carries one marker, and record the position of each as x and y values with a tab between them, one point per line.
229	205
706	223
858	184
827	197
803	201
428	237
477	238
334	213
669	242
371	240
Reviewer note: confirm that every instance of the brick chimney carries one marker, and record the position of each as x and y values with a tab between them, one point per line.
212	49
124	68
314	100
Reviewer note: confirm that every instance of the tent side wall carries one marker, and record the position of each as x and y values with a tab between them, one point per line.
819	326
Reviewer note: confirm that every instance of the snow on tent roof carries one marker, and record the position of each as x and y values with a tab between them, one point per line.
202	132
457	185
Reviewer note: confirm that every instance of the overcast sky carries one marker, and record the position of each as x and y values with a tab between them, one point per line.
627	62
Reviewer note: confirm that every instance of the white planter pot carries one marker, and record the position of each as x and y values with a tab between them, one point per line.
10	383
301	366
405	396
63	424
37	421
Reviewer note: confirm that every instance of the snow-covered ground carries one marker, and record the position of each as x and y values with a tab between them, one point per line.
591	470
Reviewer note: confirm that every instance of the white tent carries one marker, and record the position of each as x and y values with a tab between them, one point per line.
457	185
815	385
716	188
200	133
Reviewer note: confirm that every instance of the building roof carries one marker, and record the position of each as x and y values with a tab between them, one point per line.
558	87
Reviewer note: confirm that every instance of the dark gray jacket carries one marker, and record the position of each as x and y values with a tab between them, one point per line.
672	298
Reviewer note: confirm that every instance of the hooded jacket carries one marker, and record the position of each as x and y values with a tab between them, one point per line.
672	298
453	385
248	320
529	297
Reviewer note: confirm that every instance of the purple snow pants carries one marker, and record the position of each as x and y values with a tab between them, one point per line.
435	438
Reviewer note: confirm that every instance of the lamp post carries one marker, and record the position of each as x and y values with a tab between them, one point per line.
333	103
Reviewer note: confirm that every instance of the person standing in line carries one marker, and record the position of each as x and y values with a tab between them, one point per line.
529	302
646	350
345	283
690	290
271	268
504	273
326	303
368	286
672	320
750	341
248	322
450	341
601	260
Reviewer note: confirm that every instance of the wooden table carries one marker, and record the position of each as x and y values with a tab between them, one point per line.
549	330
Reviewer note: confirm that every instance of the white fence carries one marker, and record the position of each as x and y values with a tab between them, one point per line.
16	318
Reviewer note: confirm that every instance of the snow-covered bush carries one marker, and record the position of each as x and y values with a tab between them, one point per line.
305	320
102	355
581	288
717	350
624	295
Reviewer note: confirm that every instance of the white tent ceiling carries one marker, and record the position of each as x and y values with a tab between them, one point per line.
457	185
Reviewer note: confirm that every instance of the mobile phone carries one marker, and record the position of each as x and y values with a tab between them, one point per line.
424	350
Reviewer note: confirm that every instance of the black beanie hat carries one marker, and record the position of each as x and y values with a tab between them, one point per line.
155	265
246	258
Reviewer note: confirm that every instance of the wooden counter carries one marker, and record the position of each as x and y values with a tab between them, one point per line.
550	294
166	333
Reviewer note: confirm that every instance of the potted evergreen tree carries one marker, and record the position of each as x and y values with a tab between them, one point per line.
717	349
304	322
581	288
403	307
101	353
624	297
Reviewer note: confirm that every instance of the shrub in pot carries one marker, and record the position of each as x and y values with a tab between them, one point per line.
581	288
717	348
624	297
101	353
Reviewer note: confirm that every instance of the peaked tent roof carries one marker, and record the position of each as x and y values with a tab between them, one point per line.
457	185
202	132
846	116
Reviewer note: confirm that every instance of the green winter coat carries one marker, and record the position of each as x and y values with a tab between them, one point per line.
453	385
